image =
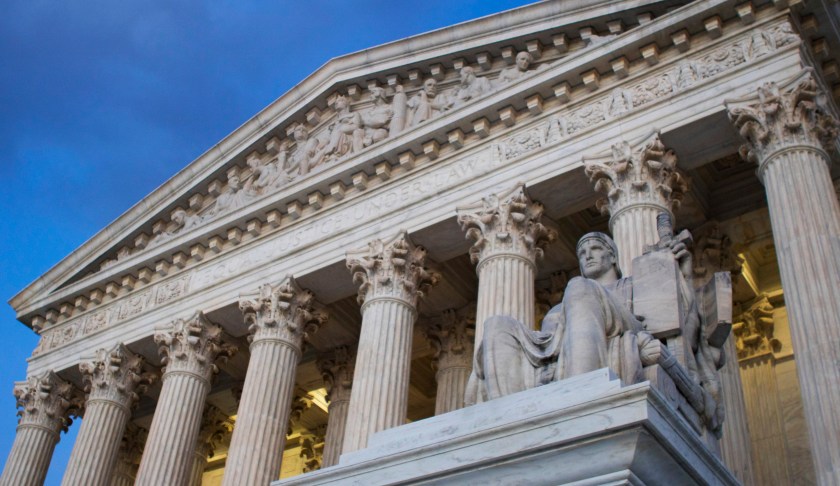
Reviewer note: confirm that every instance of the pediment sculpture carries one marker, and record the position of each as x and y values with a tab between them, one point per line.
599	325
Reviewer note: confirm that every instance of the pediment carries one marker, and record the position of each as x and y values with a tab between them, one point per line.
351	122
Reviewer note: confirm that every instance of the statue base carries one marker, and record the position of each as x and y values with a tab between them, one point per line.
585	430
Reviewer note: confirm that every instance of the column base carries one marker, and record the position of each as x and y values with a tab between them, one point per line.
587	429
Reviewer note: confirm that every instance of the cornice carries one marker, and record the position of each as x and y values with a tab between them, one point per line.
361	65
525	96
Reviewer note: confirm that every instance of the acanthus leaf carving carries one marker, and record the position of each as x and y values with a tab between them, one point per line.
193	346
117	375
48	401
754	330
643	173
506	223
452	336
284	312
392	268
793	114
216	430
337	369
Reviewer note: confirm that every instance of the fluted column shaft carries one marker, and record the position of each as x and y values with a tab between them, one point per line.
335	431
171	444
769	455
199	464
379	399
278	319
95	453
114	377
788	130
392	278
47	402
124	474
632	229
260	432
337	368
735	443
189	349
805	217
451	382
505	288
30	456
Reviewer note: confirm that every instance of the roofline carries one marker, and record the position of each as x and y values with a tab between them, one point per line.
390	55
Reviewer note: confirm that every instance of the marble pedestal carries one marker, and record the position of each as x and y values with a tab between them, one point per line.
584	430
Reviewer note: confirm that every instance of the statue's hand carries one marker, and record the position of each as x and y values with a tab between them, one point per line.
650	349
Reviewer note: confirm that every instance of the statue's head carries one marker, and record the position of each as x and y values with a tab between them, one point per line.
430	87
377	93
524	60
467	75
597	255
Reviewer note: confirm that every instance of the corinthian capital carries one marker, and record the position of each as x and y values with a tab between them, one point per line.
754	331
192	346
216	429
452	337
336	368
116	375
506	223
284	312
392	268
644	173
48	401
779	116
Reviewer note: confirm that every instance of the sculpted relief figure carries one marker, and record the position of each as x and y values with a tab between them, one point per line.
306	155
471	88
233	197
345	136
377	120
520	69
595	327
426	104
272	175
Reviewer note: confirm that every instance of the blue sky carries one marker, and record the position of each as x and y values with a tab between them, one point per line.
101	102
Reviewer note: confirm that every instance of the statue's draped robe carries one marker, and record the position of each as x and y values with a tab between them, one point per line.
593	328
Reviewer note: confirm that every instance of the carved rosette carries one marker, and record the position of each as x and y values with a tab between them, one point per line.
754	331
391	269
216	429
48	402
116	376
193	346
452	338
793	114
284	313
506	224
643	174
337	368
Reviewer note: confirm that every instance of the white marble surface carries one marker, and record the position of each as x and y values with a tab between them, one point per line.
584	430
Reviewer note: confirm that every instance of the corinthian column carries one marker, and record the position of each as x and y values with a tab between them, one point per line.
640	181
216	427
392	279
788	130
113	380
452	337
128	457
337	369
509	239
46	403
189	350
712	253
278	319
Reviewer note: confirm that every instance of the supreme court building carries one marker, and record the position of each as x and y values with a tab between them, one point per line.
324	273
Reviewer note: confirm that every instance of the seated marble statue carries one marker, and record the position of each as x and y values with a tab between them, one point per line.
592	328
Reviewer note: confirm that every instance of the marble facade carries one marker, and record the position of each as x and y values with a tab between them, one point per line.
327	271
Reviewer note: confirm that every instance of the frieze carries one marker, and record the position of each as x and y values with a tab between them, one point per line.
118	311
617	102
622	100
